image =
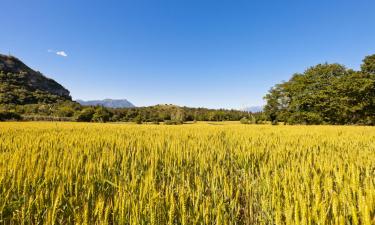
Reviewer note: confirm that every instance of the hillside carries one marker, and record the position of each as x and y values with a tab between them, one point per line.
22	85
110	103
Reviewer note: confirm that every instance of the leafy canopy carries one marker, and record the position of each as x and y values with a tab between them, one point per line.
325	94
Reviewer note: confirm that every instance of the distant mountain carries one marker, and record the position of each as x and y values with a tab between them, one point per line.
253	109
110	103
19	84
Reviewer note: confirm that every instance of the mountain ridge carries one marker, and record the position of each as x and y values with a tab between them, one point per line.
253	109
22	85
107	102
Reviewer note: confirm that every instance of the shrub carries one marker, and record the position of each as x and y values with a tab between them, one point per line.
101	115
138	119
244	120
85	115
65	111
5	116
173	122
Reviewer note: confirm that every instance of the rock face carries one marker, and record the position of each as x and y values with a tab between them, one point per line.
110	103
33	80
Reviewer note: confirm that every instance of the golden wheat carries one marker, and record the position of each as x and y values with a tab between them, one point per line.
72	173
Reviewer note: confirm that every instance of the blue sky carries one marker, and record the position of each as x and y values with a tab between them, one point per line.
211	53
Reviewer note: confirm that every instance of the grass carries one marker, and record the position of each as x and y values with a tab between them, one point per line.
78	173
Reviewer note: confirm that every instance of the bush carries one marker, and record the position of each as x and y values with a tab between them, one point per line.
101	115
173	122
65	111
307	118
138	119
244	120
6	116
46	118
85	115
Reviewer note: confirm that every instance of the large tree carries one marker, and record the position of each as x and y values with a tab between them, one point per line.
325	93
368	65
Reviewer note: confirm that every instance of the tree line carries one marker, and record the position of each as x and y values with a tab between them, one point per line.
325	94
72	111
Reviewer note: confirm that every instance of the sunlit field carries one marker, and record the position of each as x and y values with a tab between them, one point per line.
218	173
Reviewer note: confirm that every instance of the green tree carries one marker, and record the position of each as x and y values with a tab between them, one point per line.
368	65
138	119
101	115
85	115
65	111
325	93
178	115
244	120
6	115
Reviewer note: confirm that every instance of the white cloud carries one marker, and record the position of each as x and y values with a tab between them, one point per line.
61	53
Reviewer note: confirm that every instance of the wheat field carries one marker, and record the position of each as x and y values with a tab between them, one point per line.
78	173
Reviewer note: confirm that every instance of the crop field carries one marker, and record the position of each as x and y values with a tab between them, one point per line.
81	173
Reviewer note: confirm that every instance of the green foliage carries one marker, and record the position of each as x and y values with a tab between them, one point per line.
138	119
86	115
325	94
69	109
101	115
252	119
65	111
244	120
5	116
368	65
173	122
15	89
178	115
162	113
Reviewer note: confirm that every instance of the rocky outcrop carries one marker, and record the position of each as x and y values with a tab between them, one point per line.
34	80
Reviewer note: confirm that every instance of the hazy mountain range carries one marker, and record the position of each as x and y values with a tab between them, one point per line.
253	109
110	103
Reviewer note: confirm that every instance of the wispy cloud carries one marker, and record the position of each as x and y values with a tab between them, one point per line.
59	53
